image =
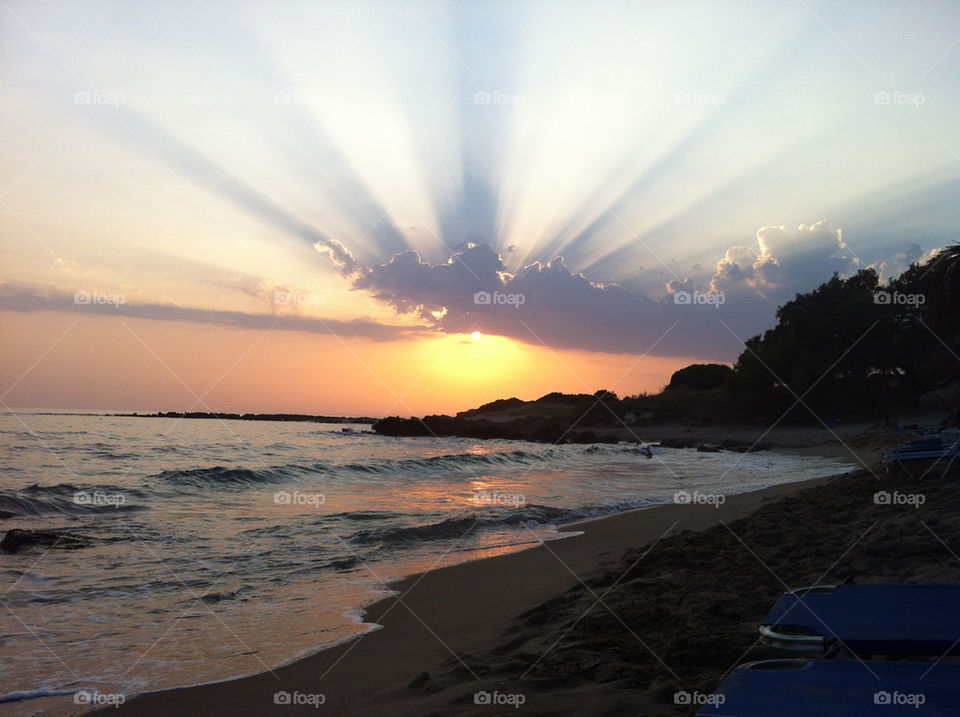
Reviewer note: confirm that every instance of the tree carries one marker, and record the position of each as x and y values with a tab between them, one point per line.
841	348
934	291
940	284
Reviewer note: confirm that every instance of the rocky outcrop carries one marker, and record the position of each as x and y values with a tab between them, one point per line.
545	430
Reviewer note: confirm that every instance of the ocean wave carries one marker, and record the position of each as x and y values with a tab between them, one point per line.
232	594
362	515
34	694
452	463
449	528
220	476
613	449
69	499
460	526
600	509
530	515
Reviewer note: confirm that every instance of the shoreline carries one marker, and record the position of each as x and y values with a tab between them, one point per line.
608	536
421	626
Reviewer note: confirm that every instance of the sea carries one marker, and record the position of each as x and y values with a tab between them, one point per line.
209	549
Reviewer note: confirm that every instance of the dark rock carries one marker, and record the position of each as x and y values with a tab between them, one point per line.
420	681
16	539
677	443
498	405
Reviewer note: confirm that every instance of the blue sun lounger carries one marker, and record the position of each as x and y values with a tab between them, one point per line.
827	688
867	620
939	449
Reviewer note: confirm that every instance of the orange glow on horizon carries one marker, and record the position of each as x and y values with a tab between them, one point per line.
112	364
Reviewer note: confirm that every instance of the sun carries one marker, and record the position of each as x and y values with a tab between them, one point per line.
475	360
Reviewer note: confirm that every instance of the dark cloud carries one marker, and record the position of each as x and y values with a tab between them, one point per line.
544	303
550	304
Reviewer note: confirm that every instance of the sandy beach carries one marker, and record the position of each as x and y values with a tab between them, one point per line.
442	622
623	614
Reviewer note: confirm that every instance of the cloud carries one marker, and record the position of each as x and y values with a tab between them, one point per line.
544	303
339	254
26	298
784	262
895	264
548	303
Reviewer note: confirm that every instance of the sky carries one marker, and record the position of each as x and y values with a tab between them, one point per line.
377	208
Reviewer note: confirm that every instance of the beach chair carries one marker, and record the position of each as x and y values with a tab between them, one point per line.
803	687
943	447
867	620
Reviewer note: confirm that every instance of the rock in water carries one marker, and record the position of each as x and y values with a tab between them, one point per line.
16	539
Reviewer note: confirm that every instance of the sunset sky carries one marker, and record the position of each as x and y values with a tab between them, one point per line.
297	206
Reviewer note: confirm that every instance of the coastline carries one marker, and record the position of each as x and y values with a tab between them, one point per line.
439	620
